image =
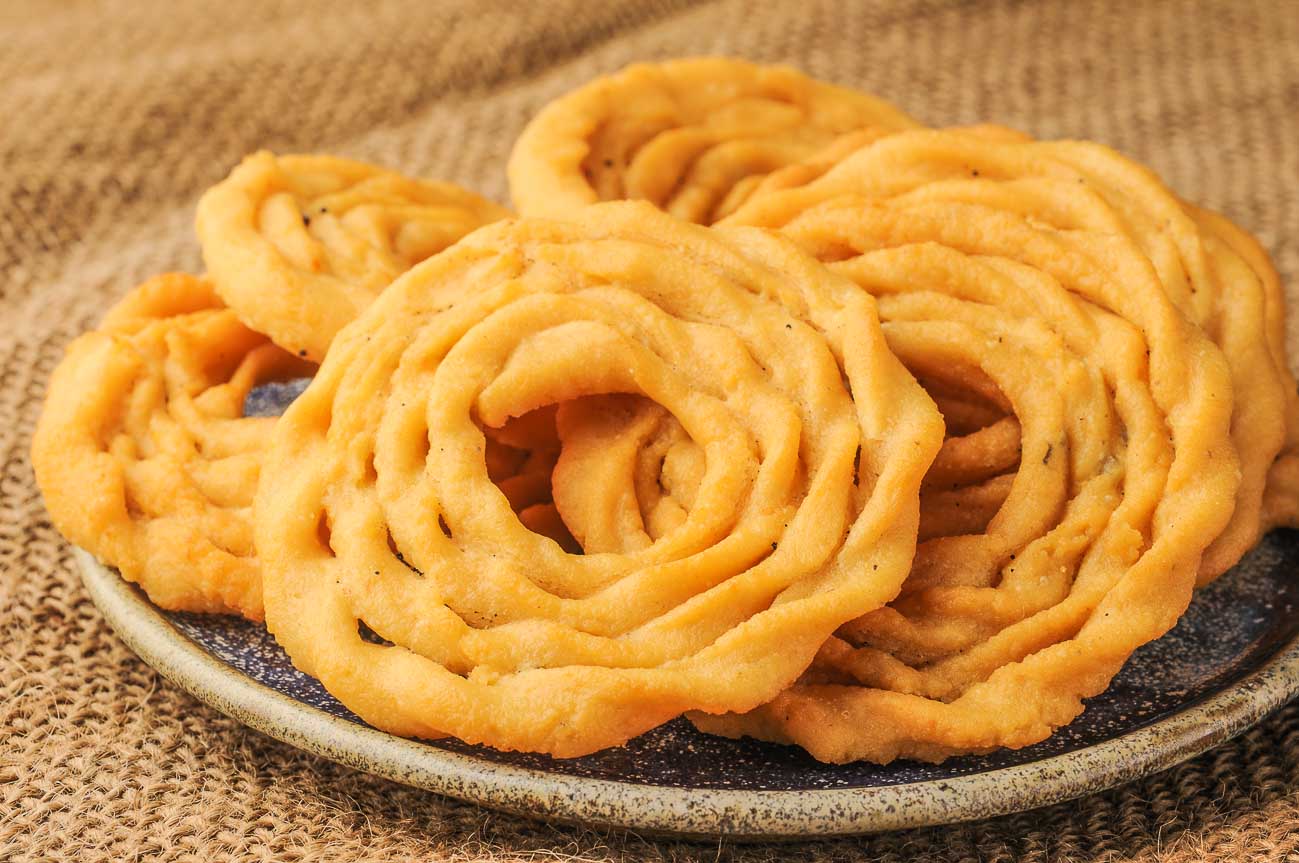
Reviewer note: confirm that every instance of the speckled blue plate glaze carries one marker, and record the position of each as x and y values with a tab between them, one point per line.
1233	658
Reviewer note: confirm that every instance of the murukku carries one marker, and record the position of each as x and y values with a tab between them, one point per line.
1063	273
298	246
1213	272
692	136
144	455
377	507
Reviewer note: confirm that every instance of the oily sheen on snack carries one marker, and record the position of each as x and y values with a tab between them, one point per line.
143	453
298	246
691	136
377	506
1067	276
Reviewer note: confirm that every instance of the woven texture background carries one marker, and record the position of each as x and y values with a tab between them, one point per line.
117	114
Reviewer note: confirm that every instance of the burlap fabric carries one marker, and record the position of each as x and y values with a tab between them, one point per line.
115	115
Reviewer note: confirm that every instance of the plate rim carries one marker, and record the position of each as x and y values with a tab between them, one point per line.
686	812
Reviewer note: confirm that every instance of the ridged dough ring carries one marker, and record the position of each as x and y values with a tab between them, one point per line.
376	507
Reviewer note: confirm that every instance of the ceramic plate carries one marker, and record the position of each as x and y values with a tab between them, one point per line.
1233	658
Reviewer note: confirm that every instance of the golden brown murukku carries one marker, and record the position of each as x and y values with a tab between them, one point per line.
377	506
142	450
1214	274
298	246
1063	273
692	136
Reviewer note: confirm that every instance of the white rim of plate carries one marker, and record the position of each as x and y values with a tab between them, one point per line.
687	812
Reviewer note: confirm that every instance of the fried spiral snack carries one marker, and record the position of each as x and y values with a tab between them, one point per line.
142	451
1211	271
378	508
692	136
1067	276
298	246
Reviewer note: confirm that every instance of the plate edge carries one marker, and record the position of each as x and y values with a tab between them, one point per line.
683	812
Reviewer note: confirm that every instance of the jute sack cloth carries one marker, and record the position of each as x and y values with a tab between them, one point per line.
117	114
